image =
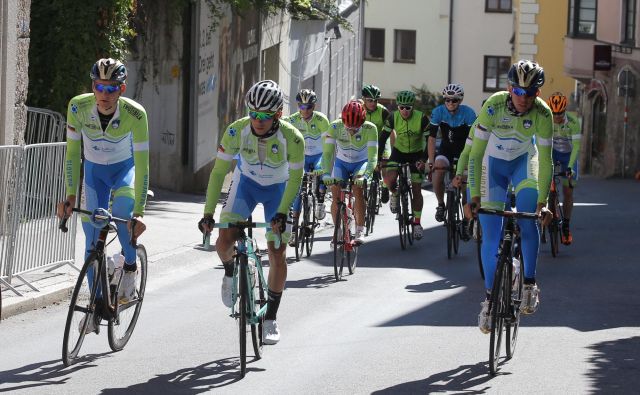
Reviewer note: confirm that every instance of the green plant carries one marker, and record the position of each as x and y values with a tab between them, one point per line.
426	100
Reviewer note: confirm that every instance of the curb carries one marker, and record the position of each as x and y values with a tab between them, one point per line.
36	302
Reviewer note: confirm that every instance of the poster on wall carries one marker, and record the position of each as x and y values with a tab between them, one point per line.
205	96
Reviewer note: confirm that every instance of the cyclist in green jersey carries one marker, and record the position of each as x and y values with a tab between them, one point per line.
269	172
411	130
113	133
313	125
566	148
379	116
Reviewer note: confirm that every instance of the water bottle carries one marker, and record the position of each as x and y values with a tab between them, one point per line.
111	266
350	222
118	263
516	274
253	272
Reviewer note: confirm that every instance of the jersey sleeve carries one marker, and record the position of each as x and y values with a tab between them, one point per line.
481	134
228	148
329	149
141	163
544	140
295	157
463	161
386	116
372	150
435	122
576	137
74	139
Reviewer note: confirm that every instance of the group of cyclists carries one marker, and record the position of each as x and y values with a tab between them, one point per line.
513	141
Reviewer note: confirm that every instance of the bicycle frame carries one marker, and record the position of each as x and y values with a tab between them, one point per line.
345	201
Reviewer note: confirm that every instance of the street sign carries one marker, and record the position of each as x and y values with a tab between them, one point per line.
602	57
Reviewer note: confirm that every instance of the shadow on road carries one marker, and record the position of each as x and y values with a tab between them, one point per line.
615	366
195	380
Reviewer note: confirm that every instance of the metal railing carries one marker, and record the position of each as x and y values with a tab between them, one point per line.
44	126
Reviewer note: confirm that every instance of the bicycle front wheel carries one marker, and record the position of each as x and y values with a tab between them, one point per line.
81	315
457	209
310	225
242	312
338	243
498	309
260	300
516	300
449	221
408	199
122	325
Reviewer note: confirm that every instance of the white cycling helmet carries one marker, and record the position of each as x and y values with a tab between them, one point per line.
453	91
265	95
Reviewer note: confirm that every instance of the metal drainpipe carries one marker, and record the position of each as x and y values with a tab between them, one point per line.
450	40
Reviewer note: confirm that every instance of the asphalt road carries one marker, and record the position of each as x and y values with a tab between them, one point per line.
405	322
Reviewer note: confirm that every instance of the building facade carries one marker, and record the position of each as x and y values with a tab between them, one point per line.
602	54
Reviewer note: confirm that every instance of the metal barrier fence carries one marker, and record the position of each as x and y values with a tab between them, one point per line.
30	236
44	126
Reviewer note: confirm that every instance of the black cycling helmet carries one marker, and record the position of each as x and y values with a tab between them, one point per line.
306	96
526	74
371	91
110	70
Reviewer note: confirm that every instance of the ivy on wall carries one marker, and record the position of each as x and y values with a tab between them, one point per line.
68	36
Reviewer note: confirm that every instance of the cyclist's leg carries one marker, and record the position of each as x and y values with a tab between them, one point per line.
526	188
122	206
358	193
390	177
321	189
340	173
441	161
416	186
493	196
385	157
238	206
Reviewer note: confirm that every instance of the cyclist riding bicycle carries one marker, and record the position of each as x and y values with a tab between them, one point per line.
461	177
503	151
453	120
112	133
313	125
411	129
379	116
353	143
269	172
566	148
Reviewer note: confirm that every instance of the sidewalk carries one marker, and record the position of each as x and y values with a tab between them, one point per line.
171	220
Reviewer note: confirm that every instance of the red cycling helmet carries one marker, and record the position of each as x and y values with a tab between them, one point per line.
353	114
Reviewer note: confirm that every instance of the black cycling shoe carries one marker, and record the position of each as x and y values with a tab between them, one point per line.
384	196
464	230
440	213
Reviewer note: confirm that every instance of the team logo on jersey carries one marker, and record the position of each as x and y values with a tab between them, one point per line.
274	148
74	108
358	138
506	119
313	126
490	110
232	132
527	123
115	123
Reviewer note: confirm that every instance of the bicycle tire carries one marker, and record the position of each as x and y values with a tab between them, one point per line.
516	299
408	214
242	313
497	316
372	205
338	244
128	313
553	228
300	230
458	224
259	301
83	297
402	230
310	226
478	230
352	251
449	223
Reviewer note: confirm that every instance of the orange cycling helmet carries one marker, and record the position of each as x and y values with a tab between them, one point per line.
353	114
558	103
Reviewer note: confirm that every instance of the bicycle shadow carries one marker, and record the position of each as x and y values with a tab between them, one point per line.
438	285
457	380
313	282
194	380
45	373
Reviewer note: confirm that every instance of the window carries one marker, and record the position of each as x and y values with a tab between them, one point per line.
497	6
629	33
582	18
374	44
495	73
405	46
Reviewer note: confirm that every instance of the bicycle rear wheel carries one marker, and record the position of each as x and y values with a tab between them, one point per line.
82	308
260	299
516	299
338	243
300	228
458	223
402	229
372	206
554	226
121	327
243	304
449	221
498	309
408	198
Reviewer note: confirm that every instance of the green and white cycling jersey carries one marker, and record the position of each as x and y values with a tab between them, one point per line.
502	135
126	136
313	130
275	159
566	137
362	146
463	161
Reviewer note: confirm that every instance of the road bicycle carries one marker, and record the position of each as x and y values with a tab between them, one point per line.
304	226
344	248
249	290
95	295
372	196
506	294
404	215
453	210
554	229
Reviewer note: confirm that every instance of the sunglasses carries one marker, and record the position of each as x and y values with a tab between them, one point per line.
521	91
370	100
454	101
107	88
558	113
305	106
261	116
405	108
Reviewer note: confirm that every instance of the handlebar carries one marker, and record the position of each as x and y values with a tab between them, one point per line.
512	214
63	222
